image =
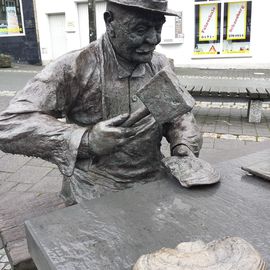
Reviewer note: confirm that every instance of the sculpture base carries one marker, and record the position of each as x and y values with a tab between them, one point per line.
114	231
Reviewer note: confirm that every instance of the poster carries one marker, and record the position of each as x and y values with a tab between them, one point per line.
208	22
11	21
172	31
237	21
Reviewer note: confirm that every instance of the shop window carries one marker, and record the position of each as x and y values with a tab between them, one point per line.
222	27
11	20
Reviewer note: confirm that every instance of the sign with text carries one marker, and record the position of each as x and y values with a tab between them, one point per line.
172	30
208	22
11	21
237	21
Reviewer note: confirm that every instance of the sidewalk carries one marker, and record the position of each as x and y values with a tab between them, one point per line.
227	135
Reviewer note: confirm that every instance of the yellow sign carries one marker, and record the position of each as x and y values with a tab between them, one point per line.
237	21
208	22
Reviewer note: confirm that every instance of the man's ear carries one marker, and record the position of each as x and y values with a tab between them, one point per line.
108	18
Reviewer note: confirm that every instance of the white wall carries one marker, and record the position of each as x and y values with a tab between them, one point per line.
260	40
44	8
181	53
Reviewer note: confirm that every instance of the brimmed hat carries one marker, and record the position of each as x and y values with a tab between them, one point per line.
160	6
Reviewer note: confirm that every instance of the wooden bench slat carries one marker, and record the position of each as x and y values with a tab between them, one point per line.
242	92
205	91
262	92
197	90
253	92
189	88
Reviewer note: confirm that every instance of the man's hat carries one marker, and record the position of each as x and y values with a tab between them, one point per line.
150	5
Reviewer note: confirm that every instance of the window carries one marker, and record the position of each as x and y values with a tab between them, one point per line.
172	30
11	19
222	27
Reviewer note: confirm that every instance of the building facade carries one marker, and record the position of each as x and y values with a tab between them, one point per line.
18	34
207	33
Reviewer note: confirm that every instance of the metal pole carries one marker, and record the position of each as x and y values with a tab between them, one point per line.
92	20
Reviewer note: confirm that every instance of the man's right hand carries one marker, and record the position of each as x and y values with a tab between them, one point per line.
107	136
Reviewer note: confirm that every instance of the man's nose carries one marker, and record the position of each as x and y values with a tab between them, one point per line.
153	36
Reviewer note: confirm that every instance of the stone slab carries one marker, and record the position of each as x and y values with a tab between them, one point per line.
112	232
261	169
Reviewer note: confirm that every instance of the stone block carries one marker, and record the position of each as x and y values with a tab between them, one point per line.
5	61
29	174
254	111
114	231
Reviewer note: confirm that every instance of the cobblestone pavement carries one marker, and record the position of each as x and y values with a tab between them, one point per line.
249	74
4	263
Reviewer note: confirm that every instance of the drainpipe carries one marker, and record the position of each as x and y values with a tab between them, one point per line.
92	20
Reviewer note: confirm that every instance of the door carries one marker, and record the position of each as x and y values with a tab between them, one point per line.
58	34
83	23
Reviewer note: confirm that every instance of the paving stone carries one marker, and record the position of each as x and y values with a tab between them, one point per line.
222	128
228	144
38	162
4	175
214	112
263	132
21	187
250	131
247	138
208	128
263	139
209	135
35	162
236	130
29	174
6	186
54	173
228	136
12	163
48	185
49	165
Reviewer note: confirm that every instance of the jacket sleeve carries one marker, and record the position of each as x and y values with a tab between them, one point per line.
184	131
30	124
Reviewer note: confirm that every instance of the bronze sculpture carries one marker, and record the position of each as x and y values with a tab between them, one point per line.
94	88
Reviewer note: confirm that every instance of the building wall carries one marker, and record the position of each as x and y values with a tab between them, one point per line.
181	53
260	40
23	49
73	21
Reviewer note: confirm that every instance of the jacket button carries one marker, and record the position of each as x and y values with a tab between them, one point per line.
134	98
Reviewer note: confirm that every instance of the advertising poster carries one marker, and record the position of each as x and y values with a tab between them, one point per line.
208	22
11	23
172	30
237	21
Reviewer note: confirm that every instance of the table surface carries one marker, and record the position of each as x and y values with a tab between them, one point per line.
114	231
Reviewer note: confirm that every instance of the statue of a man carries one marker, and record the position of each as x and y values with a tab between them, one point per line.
94	89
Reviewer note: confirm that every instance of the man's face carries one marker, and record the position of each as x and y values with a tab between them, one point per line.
136	35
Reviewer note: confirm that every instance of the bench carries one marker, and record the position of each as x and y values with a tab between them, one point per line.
231	90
